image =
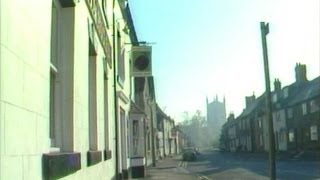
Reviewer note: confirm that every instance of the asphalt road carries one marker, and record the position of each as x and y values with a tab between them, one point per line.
224	165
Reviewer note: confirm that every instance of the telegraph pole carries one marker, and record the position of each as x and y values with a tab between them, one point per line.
272	163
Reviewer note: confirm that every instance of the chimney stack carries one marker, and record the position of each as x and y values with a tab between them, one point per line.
301	73
231	116
250	100
277	85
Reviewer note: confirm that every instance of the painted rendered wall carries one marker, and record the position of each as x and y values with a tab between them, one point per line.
24	78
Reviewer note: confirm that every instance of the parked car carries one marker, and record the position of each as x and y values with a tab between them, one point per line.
189	154
197	151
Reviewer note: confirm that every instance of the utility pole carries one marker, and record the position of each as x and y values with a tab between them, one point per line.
272	163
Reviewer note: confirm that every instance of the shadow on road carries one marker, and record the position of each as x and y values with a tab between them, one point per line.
255	164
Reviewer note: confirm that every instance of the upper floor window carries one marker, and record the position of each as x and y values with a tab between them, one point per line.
106	110
259	123
120	60
314	107
274	98
289	113
278	115
304	108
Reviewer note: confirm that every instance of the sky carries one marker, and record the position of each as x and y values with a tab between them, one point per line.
204	48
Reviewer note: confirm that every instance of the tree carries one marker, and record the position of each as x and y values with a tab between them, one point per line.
195	128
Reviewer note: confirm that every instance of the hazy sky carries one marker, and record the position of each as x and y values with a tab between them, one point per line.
209	47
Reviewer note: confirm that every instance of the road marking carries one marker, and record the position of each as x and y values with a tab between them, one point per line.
183	163
203	177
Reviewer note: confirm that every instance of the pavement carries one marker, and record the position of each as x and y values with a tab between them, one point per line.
170	168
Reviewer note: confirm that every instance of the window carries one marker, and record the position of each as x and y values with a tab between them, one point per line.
281	137
92	90
60	111
314	133
291	136
135	135
304	109
274	98
121	63
314	107
106	111
289	113
54	96
259	123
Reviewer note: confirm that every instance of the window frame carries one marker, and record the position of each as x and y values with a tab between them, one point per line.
92	102
54	96
304	108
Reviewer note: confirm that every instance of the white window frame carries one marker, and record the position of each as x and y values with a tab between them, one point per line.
106	110
55	122
314	133
274	98
291	136
304	109
313	106
260	123
92	100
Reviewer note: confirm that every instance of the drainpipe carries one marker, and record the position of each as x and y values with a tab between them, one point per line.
115	91
163	139
153	153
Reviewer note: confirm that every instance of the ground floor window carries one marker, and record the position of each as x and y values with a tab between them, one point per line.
314	133
261	140
291	136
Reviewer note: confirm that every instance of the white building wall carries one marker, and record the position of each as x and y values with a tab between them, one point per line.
24	67
24	92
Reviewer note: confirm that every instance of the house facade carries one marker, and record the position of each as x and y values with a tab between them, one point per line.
295	114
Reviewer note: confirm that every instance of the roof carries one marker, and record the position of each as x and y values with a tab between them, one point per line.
305	92
258	103
298	93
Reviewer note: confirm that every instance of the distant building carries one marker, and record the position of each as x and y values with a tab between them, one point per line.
296	118
216	116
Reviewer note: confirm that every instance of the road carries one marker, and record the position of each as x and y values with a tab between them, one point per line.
224	165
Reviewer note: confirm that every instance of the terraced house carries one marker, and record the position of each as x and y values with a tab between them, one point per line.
296	118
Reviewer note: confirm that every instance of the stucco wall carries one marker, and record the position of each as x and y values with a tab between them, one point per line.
24	92
24	78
